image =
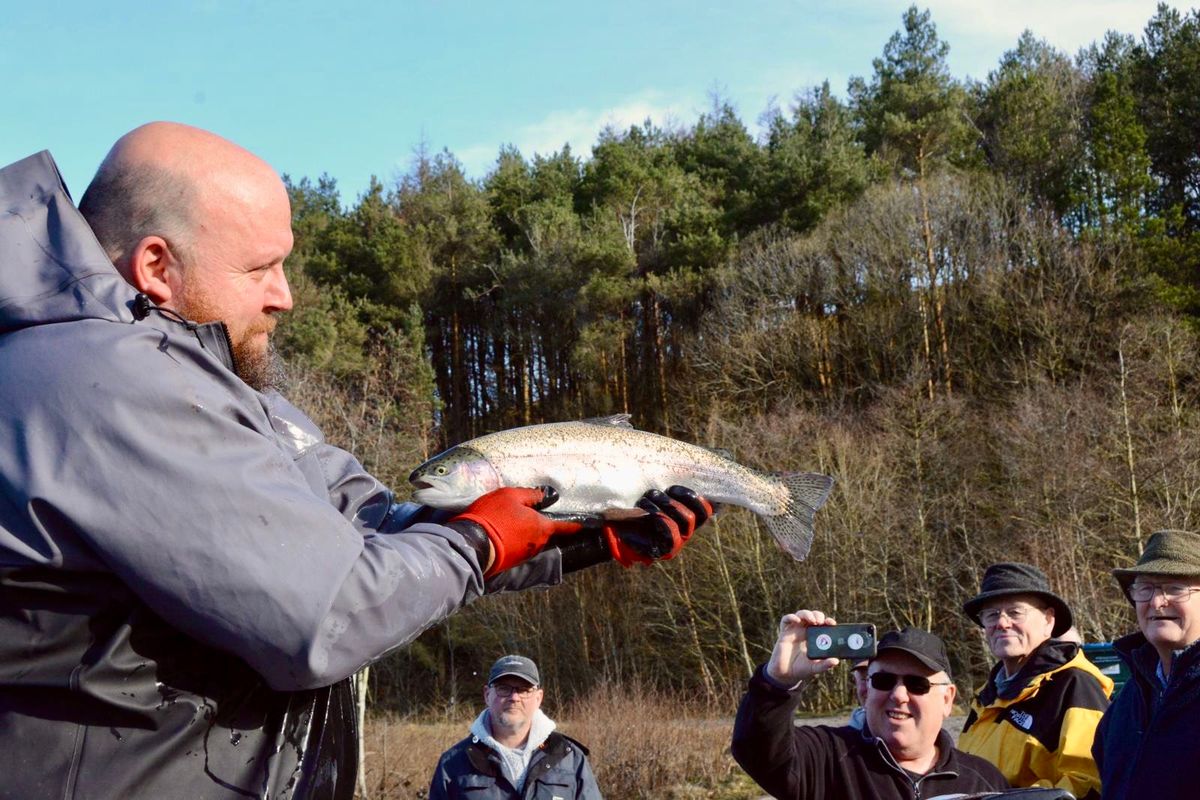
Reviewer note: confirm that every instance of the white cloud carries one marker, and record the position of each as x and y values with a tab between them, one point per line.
980	31
580	128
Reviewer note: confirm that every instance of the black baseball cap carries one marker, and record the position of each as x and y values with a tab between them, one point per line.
517	666
920	644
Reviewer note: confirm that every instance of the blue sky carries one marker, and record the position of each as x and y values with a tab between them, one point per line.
353	89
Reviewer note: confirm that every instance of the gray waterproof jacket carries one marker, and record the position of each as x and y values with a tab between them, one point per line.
188	572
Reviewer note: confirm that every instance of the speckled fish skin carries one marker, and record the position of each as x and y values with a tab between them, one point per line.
603	464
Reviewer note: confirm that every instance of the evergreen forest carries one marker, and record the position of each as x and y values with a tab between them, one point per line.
974	303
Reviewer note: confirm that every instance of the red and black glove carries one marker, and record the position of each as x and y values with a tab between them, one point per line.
671	519
513	525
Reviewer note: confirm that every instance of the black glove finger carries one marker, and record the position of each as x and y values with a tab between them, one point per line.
658	502
654	536
652	541
680	514
549	497
699	506
651	546
645	503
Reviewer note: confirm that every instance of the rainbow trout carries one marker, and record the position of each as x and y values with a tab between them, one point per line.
600	466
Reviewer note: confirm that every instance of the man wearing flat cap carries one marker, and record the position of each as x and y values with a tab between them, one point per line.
1036	716
901	753
513	751
1146	745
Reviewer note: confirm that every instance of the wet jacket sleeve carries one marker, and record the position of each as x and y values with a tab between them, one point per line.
783	759
156	464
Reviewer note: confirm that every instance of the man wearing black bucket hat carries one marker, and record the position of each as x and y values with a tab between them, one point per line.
901	753
1146	745
1036	716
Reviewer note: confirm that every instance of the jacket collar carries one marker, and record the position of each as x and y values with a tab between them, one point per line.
486	761
1050	656
943	767
213	336
1142	658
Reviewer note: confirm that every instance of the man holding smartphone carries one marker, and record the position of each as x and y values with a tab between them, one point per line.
901	753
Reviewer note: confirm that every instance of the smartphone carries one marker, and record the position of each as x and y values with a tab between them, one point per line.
855	641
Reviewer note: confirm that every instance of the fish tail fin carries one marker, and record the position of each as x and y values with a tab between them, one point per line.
793	529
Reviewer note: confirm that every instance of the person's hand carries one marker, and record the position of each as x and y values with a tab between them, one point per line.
513	526
671	519
789	663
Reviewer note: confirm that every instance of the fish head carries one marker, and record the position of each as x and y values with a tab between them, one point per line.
453	479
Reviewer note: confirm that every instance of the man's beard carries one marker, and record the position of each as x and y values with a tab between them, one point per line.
261	368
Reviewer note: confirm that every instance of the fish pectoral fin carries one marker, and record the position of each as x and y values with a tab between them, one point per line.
612	421
622	514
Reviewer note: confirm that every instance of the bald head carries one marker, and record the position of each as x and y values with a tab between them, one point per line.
201	227
161	178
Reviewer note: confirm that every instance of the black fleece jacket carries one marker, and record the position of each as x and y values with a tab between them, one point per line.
793	762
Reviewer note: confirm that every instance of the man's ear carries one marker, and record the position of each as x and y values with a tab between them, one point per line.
951	692
154	270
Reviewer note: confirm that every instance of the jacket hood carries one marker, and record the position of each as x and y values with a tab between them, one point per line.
52	269
541	726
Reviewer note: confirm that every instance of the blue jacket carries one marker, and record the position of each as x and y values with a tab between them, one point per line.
559	770
188	572
1146	744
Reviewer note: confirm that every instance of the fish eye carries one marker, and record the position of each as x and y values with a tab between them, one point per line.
441	469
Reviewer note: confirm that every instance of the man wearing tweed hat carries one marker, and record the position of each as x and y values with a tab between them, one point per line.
1036	716
1146	745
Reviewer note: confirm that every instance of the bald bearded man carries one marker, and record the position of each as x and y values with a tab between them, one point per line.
189	574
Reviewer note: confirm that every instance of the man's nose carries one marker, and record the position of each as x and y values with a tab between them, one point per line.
279	294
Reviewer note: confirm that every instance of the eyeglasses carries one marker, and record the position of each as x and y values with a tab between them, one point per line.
915	684
1016	614
508	690
1173	592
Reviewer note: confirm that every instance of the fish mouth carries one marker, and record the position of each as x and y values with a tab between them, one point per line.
422	484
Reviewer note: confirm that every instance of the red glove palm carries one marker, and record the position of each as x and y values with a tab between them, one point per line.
516	530
671	519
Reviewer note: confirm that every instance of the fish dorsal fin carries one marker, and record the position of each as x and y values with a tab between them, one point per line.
613	421
721	451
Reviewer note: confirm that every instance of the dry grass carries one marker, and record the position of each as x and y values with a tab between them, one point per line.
642	746
401	754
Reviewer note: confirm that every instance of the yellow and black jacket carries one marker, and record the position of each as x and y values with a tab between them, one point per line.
1039	733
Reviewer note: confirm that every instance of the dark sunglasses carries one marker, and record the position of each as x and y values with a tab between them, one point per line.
915	684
